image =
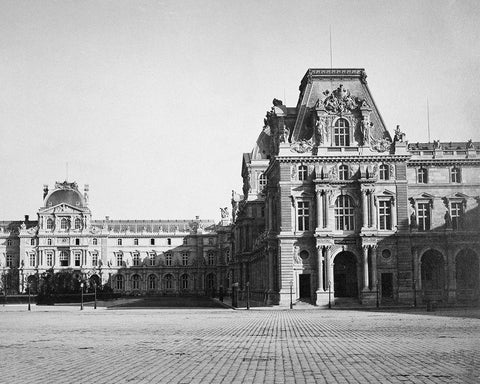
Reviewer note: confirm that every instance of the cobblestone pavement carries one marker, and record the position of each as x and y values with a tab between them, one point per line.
66	345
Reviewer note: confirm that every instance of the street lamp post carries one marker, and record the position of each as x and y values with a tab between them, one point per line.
414	293
329	295
378	303
291	299
248	294
28	286
95	290
81	302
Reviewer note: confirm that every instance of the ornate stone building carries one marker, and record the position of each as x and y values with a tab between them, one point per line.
335	208
130	256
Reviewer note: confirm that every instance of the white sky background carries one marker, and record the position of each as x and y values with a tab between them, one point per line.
152	103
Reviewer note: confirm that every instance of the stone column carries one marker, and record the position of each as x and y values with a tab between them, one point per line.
270	271
373	210
319	209
373	253
394	213
328	217
329	267
364	209
320	269
365	267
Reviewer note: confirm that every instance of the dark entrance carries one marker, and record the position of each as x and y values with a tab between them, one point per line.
387	285
345	275
304	286
467	269
433	275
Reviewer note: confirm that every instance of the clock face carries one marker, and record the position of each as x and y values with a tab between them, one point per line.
386	254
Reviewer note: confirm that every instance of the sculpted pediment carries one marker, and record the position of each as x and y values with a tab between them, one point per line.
63	208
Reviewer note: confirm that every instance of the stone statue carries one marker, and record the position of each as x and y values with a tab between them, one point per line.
365	131
319	133
470	144
413	220
284	134
399	135
436	144
224	213
448	219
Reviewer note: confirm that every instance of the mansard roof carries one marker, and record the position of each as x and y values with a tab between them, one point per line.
337	91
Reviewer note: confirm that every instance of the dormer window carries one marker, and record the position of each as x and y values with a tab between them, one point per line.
262	182
64	224
78	223
341	133
49	224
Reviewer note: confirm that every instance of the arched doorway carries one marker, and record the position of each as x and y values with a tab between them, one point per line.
433	275
467	275
345	282
210	284
32	282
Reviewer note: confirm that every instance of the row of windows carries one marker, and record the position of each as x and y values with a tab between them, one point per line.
344	172
423	219
119	241
168	281
65	223
344	213
168	259
455	175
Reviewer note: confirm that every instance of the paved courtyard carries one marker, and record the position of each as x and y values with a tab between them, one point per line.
66	345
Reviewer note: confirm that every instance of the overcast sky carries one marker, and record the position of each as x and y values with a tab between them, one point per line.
152	103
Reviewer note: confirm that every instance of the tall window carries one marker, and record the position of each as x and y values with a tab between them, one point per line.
169	241
136	259
384	173
168	281
385	214
94	241
64	259
456	211
185	258
135	241
151	259
9	260
119	282
184	279
211	258
77	259
152	241
119	241
49	259
423	216
136	282
344	213
49	241
343	172
455	175
422	176
185	241
78	223
32	260
64	223
168	259
341	133
302	172
32	241
210	241
94	259
262	181
152	282
119	260
303	215
77	241
9	242
49	224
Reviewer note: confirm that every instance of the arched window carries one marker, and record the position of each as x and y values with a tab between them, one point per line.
49	223
210	281
152	282
64	223
64	256
119	282
136	259
343	172
168	259
422	176
78	223
384	173
185	258
455	175
168	281
135	282
94	242
341	133
151	258
344	213
184	280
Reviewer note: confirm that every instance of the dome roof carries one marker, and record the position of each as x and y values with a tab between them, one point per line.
65	194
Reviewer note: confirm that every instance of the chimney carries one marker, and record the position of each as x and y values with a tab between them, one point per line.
45	190
26	219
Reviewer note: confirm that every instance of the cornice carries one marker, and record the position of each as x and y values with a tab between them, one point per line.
337	159
442	161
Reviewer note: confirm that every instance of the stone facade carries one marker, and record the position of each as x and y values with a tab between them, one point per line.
350	213
130	256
